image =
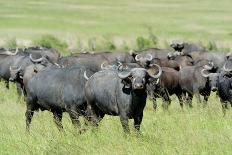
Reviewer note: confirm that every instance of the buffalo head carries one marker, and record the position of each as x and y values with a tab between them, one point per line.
15	72
211	77
137	78
227	66
144	61
177	45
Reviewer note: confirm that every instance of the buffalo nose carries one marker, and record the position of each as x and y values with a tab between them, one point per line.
214	89
138	86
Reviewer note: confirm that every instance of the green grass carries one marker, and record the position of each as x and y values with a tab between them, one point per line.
122	20
192	131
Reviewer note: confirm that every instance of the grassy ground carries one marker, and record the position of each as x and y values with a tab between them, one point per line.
121	20
192	131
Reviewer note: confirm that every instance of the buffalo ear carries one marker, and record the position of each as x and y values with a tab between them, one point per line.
126	78
126	82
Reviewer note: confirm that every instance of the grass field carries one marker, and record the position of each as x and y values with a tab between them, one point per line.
120	21
192	131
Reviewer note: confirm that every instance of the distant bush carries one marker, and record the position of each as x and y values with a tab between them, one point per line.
51	41
92	44
110	46
107	44
212	46
125	46
152	37
143	43
11	43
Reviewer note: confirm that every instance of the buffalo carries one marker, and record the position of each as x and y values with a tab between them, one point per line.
118	93
197	80
168	84
57	90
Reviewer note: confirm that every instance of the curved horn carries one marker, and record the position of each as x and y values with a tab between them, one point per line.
149	57
207	75
11	53
203	74
15	70
124	74
36	60
158	74
85	76
225	69
137	58
103	67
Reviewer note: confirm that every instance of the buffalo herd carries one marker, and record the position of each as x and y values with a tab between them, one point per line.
94	84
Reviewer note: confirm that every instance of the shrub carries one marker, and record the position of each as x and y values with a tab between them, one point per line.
212	46
125	46
51	41
11	43
152	37
143	43
110	46
92	44
107	44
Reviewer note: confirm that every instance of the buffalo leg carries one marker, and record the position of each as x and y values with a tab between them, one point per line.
19	90
198	97
154	103
166	99
180	100
92	114
137	122
206	97
7	84
74	118
57	116
224	107
29	115
124	122
189	100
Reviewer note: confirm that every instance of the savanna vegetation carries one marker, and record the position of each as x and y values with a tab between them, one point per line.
71	26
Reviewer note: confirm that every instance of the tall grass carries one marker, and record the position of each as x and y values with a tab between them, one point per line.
191	131
189	20
51	41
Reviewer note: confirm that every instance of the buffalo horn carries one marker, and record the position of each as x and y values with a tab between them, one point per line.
158	74
225	69
207	75
15	70
36	60
103	67
203	74
148	57
11	53
85	76
138	57
124	74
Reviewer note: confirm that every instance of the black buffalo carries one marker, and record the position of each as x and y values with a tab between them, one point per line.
187	47
224	84
197	80
120	93
57	90
168	84
95	60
